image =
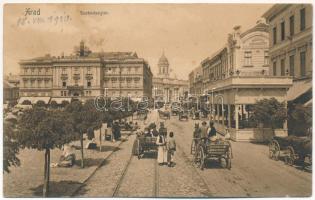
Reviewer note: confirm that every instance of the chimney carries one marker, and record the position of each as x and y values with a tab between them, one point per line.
81	48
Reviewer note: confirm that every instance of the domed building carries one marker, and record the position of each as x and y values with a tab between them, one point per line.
165	87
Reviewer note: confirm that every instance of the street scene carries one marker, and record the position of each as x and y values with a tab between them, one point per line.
183	106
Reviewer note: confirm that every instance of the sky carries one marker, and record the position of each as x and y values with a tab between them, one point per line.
187	33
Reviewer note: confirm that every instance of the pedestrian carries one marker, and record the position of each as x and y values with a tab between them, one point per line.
171	148
212	132
204	132
160	142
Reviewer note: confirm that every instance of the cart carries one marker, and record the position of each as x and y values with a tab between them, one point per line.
183	115
292	149
164	114
219	149
146	144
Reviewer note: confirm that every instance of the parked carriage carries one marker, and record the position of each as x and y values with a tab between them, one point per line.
146	144
219	149
183	115
292	149
164	114
142	114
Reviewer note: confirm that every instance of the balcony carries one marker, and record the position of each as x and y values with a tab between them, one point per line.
64	77
89	76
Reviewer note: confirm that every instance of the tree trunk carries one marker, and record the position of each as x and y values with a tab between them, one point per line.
101	138
82	156
46	173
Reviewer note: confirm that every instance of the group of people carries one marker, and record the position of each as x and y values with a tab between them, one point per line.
165	143
206	133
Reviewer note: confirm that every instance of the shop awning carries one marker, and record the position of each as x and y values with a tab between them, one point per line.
309	103
34	100
60	100
299	88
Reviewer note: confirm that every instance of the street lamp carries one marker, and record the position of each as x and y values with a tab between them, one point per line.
155	88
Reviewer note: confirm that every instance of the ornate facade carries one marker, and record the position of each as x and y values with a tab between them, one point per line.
234	78
86	75
291	47
166	88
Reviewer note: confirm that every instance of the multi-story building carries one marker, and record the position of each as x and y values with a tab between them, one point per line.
195	82
235	77
86	75
10	93
166	88
291	51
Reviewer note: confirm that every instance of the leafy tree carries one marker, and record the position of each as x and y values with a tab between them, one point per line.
84	117
64	103
53	105
40	103
299	119
269	112
45	130
10	147
26	102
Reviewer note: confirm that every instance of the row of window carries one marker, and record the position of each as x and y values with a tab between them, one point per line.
88	84
114	70
39	84
248	58
291	69
291	28
39	70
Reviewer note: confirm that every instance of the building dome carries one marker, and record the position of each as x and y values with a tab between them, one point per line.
163	60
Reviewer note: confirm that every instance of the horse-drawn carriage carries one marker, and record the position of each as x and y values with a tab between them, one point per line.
146	144
175	108
142	114
292	149
206	150
164	114
183	114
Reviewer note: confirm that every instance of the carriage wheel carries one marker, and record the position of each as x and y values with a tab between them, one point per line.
139	150
290	157
202	158
274	150
193	147
228	158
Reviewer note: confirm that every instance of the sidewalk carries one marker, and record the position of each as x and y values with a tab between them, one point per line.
27	180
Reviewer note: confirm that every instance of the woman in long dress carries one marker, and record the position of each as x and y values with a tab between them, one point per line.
161	149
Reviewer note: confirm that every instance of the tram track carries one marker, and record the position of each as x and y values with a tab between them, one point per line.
121	178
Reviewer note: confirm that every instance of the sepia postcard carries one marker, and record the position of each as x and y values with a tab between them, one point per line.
157	100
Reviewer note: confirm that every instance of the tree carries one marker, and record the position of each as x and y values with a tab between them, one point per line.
45	130
270	113
84	117
40	103
64	103
53	105
10	147
299	119
26	102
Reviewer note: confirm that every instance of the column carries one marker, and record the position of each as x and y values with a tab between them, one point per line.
218	112
229	115
236	116
223	116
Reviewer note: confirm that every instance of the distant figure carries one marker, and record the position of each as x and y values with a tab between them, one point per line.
162	129
171	148
67	159
160	142
90	133
116	131
212	132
